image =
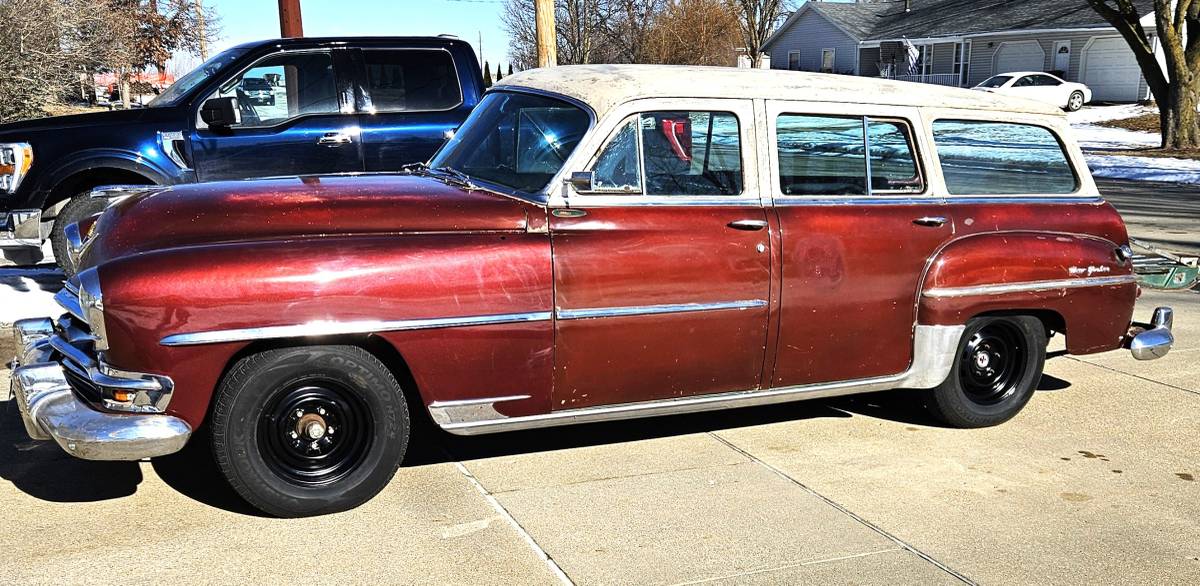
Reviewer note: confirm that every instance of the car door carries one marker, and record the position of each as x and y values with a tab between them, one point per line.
305	124
662	271
853	251
412	101
1052	90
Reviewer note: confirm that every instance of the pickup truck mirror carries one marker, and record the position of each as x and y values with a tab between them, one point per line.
221	112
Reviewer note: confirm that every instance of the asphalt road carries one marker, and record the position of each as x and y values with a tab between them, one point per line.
1164	214
1097	481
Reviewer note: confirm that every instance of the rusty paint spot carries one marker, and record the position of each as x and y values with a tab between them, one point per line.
1185	476
1075	497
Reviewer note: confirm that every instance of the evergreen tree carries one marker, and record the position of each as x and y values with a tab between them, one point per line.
510	68
498	75
487	75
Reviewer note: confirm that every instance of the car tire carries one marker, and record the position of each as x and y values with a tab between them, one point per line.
1075	101
80	207
309	430
996	369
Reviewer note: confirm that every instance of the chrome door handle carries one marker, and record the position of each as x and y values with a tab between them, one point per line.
334	139
930	221
748	224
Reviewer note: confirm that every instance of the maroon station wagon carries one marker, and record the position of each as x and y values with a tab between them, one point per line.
594	243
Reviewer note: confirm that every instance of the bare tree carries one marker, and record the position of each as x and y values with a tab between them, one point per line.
757	20
578	24
47	46
627	27
695	32
1176	90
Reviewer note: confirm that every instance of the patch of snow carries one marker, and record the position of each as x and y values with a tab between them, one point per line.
1144	168
1094	114
29	292
1092	137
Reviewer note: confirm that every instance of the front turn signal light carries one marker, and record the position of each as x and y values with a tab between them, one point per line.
15	161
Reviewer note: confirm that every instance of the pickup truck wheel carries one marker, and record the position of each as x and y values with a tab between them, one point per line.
996	370
309	430
80	207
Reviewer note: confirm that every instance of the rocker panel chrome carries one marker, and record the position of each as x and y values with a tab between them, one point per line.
934	348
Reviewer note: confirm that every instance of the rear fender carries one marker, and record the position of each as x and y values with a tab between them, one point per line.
1079	278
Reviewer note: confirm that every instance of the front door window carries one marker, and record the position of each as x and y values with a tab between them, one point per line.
282	87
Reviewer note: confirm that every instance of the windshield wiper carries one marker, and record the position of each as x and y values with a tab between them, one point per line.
456	177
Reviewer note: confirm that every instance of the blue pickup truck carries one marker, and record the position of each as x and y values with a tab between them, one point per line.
278	107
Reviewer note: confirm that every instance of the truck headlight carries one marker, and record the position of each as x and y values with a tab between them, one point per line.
15	160
91	301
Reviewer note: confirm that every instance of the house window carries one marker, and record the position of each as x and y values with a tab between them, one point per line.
794	60
827	60
926	59
965	64
958	58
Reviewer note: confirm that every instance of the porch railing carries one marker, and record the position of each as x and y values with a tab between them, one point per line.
950	79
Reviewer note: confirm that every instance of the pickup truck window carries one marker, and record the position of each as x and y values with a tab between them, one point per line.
411	80
1000	158
515	140
284	86
825	155
182	86
681	153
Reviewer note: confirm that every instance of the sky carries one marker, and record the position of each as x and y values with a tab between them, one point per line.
250	20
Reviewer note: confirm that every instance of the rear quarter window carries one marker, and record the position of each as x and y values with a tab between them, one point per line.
1002	158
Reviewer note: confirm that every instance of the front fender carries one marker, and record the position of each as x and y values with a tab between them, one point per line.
150	163
1080	279
350	285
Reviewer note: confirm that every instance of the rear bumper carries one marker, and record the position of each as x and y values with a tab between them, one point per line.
22	229
1153	340
50	410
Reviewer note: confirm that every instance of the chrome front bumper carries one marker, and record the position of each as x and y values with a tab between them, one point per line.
1153	340
51	410
22	229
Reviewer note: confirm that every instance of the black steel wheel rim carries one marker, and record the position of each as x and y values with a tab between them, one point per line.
992	363
314	433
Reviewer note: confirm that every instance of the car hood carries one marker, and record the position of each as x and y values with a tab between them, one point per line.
91	119
301	207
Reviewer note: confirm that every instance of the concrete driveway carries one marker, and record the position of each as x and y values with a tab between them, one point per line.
1095	482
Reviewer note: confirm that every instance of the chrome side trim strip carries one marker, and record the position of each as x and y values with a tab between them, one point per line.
1026	286
331	328
595	312
800	200
934	348
445	412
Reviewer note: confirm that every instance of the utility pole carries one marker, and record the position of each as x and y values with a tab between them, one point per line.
547	47
201	29
290	23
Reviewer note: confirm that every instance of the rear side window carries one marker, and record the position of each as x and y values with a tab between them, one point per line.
1000	158
828	155
411	80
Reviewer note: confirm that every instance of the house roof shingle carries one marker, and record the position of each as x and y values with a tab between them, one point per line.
886	19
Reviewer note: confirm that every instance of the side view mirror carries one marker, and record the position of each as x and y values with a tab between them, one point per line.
582	181
221	112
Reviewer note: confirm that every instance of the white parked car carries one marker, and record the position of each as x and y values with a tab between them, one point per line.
1036	85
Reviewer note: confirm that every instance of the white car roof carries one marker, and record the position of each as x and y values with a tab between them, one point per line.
603	87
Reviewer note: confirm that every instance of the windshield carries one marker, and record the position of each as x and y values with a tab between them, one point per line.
996	81
515	140
172	95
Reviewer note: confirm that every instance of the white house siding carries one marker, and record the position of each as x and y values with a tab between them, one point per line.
983	50
943	57
810	34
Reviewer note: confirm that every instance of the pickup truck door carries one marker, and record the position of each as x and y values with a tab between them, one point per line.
305	126
412	99
853	253
662	283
